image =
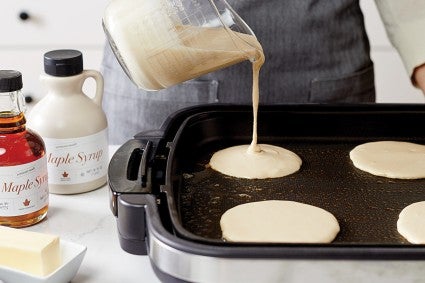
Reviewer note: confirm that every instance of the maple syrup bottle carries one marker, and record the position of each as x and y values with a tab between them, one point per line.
24	193
72	124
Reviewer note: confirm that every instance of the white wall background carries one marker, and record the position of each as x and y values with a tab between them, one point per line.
52	24
391	79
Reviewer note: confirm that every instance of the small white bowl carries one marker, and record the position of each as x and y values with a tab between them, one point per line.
72	255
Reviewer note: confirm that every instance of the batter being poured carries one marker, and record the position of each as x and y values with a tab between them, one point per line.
255	161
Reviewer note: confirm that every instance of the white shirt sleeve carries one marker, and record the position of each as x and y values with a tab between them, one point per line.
404	21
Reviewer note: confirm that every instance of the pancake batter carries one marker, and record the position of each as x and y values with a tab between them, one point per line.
276	221
391	159
270	162
255	161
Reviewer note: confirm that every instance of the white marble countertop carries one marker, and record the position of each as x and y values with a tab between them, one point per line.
87	220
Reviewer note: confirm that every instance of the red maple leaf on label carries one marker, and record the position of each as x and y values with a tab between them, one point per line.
26	202
64	174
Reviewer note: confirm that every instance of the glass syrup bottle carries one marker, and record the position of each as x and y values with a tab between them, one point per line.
24	193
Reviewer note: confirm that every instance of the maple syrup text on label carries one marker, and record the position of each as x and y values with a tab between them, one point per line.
80	158
12	187
94	156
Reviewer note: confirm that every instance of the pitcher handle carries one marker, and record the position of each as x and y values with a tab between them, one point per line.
97	76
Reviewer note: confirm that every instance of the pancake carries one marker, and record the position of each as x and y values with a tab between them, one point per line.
276	221
411	223
268	162
391	159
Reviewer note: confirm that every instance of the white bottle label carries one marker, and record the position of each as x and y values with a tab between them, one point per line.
77	160
24	188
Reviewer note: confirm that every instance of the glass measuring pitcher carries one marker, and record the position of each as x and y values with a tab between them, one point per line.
160	43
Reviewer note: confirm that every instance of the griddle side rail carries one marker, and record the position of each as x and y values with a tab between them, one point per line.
130	177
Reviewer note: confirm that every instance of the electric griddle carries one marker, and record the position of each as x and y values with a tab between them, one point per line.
168	202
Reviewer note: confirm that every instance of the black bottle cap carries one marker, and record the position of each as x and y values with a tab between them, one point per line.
10	80
63	62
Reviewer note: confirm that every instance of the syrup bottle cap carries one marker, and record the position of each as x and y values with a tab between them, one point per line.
10	80
63	62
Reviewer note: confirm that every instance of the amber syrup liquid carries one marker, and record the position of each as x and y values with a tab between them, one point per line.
18	146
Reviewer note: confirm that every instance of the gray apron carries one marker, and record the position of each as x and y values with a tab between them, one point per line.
316	52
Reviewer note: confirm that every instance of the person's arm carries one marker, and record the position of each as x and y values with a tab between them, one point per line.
405	25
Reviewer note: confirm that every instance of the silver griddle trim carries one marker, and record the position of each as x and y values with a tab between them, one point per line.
199	268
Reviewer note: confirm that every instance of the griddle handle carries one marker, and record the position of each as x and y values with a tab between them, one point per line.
137	164
131	222
128	170
124	169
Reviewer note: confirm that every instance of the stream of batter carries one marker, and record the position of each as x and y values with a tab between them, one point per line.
255	161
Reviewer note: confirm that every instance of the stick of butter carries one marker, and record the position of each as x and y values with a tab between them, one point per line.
30	252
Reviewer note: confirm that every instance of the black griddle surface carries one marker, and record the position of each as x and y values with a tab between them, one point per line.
366	206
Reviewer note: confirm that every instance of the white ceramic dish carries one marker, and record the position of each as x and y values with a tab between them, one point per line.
72	256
